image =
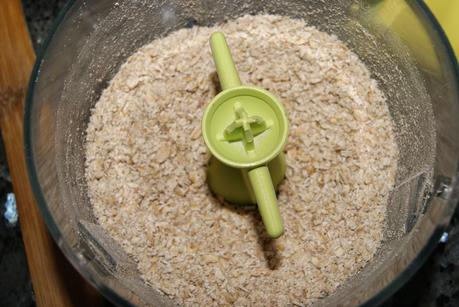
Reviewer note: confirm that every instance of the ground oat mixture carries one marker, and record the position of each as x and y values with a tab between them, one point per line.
146	165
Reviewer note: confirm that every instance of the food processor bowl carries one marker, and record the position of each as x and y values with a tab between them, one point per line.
399	41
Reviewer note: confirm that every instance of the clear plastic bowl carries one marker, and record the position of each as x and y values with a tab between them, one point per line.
400	42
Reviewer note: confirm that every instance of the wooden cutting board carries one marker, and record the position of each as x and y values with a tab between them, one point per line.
55	281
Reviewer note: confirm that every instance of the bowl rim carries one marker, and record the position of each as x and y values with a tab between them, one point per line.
107	291
414	266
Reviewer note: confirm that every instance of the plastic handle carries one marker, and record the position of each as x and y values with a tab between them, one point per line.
263	188
226	70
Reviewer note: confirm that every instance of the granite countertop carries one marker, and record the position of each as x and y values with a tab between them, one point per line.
436	284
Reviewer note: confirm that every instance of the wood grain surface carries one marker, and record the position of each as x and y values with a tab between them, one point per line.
55	281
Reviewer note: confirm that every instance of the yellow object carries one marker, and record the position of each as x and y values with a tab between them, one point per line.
447	14
399	17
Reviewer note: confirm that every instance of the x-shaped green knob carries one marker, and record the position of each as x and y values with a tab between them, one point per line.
244	128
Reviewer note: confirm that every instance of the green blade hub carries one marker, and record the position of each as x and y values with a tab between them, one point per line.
245	128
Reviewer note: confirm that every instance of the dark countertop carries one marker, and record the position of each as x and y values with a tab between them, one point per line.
436	284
